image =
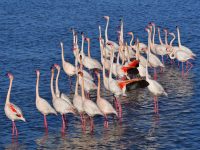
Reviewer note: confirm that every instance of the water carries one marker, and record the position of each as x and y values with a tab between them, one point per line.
30	33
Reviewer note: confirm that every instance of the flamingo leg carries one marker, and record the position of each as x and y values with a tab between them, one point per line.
63	123
155	105
163	60
45	122
182	69
155	74
13	128
189	67
91	124
105	121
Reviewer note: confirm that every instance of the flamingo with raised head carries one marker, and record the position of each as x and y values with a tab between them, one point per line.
12	111
89	62
78	102
60	105
116	46
105	107
186	49
69	69
90	107
58	93
41	104
154	87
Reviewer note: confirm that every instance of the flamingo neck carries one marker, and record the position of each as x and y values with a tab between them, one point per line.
82	89
63	59
99	31
121	34
106	31
179	38
172	41
99	86
89	49
82	53
166	42
57	89
160	37
9	91
148	52
111	63
37	86
131	42
74	38
154	32
76	88
52	89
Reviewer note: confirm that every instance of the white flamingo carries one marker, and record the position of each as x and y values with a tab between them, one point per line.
41	104
90	107
88	62
105	107
60	105
78	102
69	69
186	49
12	111
154	87
116	46
58	93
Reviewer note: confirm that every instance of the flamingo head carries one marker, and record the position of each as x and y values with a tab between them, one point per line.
52	69
61	44
147	29
96	72
130	33
57	66
37	72
165	30
153	24
106	17
10	76
118	32
172	34
80	73
87	39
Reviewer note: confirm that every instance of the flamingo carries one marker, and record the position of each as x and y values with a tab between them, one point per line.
105	107
142	46
186	49
90	107
158	49
78	102
88	62
67	67
154	60
182	56
60	105
12	111
116	46
106	51
58	93
41	104
90	84
154	87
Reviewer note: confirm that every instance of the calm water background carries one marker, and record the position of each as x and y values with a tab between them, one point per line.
30	33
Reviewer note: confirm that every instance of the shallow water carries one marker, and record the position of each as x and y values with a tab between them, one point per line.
30	33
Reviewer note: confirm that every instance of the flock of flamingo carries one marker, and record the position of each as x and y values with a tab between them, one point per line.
124	68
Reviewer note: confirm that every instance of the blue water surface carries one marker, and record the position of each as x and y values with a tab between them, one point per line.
30	33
